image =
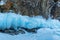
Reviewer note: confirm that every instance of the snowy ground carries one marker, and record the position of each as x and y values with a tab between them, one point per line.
42	34
50	28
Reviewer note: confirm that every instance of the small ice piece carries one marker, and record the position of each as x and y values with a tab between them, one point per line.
32	23
9	20
3	21
24	21
16	22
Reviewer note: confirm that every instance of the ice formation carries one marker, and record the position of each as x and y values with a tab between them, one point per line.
50	29
15	21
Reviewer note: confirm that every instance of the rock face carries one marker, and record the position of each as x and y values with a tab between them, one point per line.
31	7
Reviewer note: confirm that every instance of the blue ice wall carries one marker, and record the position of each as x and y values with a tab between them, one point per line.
8	20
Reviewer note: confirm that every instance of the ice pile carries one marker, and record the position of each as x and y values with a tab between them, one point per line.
50	29
8	20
